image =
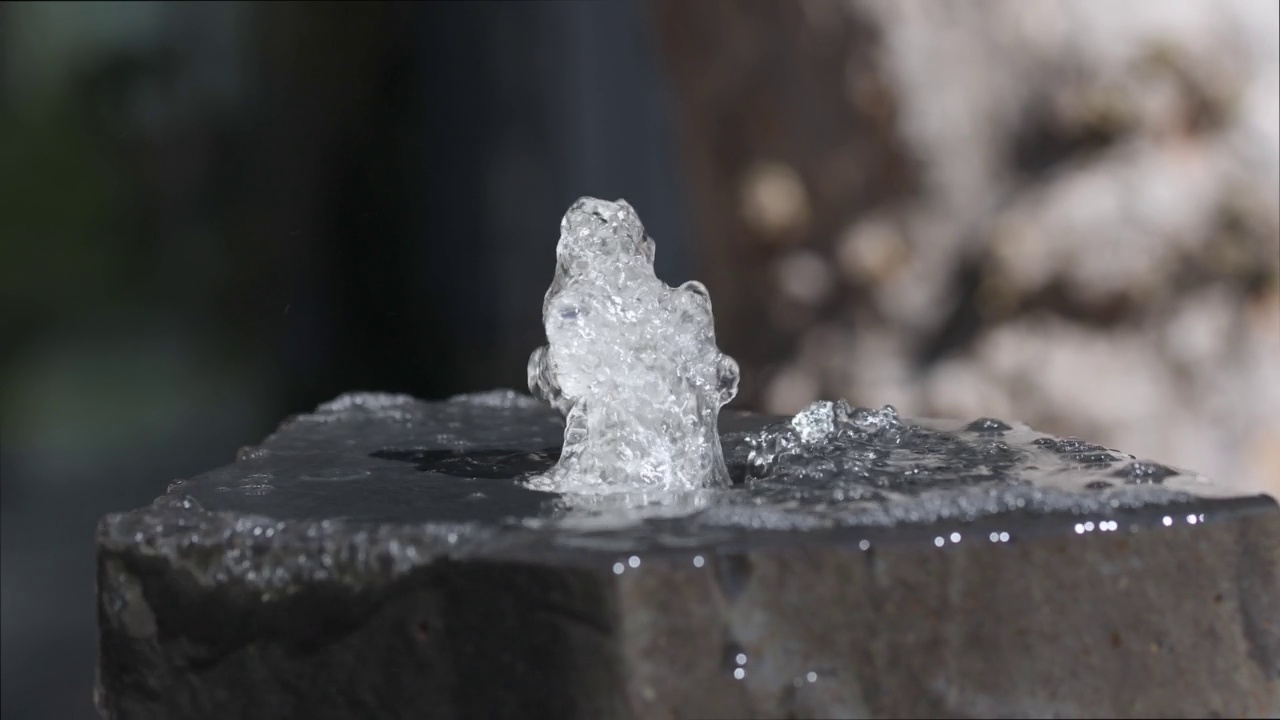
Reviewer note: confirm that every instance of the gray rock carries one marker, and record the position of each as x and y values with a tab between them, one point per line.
378	558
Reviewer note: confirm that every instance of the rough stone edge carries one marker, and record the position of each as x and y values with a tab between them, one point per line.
173	564
223	558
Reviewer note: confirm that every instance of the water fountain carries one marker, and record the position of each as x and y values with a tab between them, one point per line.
622	549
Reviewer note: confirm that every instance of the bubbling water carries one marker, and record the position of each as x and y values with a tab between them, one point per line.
631	363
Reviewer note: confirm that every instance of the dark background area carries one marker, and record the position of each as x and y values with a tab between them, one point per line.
216	215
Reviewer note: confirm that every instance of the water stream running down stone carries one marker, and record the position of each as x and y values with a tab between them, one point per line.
631	363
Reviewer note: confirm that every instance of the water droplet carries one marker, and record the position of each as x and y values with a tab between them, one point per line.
811	676
252	453
1167	521
864	544
619	568
955	537
633	561
987	425
698	561
733	658
1004	537
1142	473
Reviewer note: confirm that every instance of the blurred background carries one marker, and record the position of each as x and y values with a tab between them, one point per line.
213	215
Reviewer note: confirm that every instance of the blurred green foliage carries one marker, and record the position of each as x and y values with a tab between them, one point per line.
60	200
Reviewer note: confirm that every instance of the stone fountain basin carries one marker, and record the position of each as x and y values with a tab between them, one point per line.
379	558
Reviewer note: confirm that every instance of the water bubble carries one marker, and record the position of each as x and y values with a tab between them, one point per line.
938	541
987	425
698	561
633	561
739	673
248	454
619	568
955	537
811	676
1139	473
1167	521
864	544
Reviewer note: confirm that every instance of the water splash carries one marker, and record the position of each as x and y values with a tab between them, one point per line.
825	438
631	363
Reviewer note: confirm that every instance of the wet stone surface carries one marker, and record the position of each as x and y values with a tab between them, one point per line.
383	556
